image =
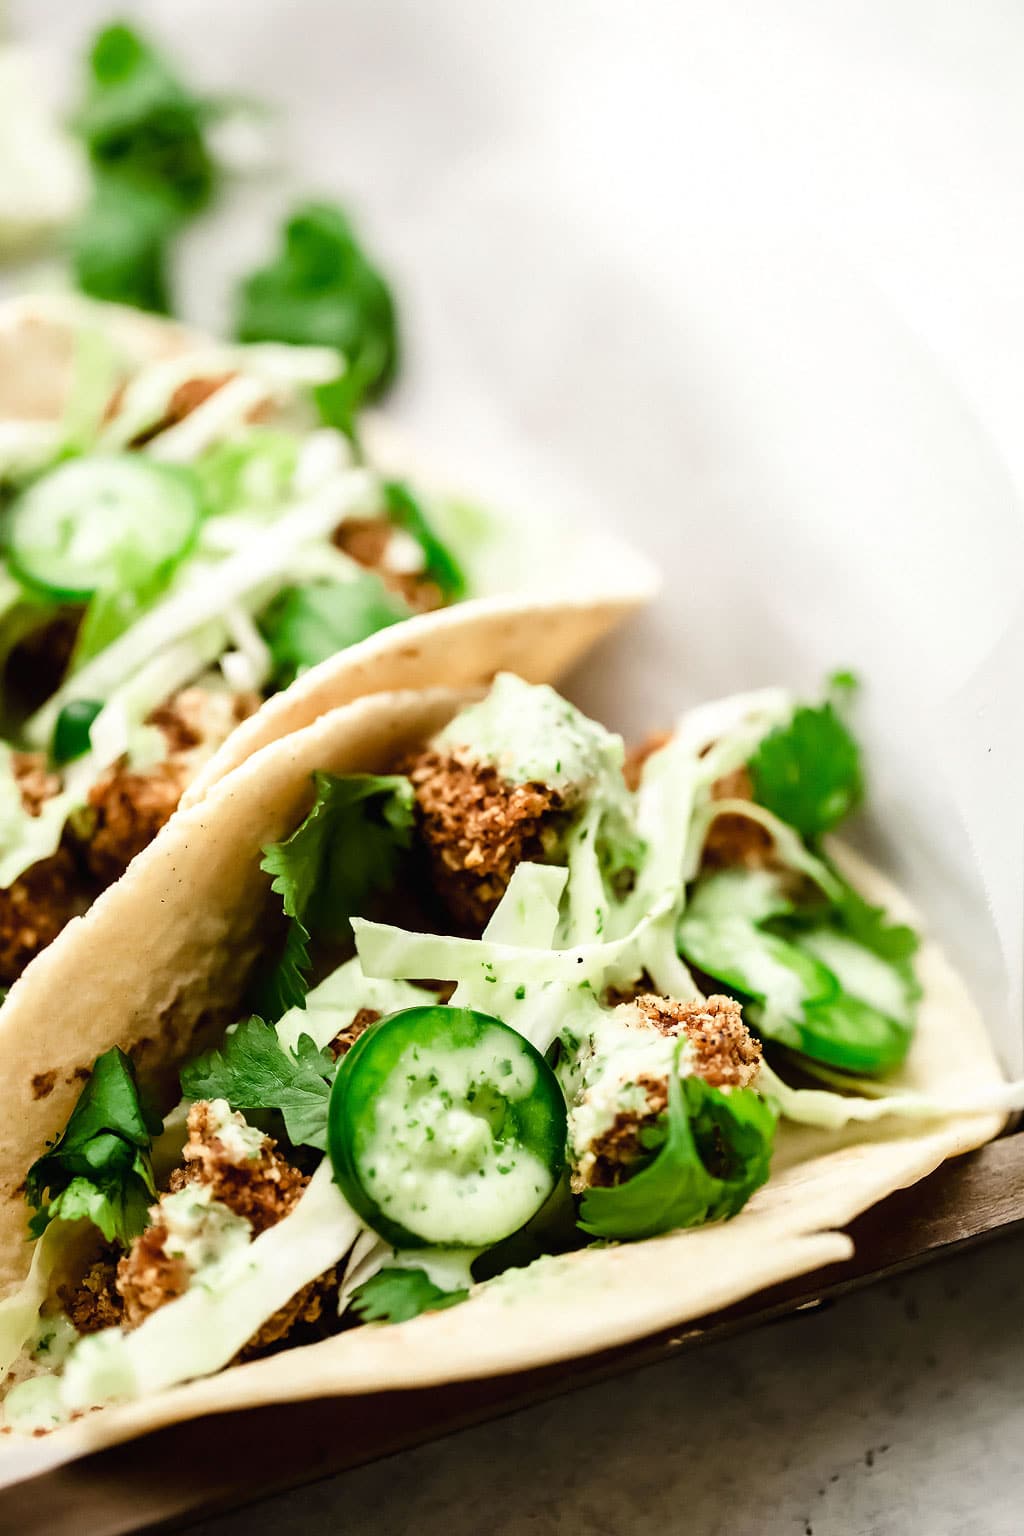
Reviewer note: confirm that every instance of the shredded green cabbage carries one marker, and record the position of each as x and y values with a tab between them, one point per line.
228	1302
260	567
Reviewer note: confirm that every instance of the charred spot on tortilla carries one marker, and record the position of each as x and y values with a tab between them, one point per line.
43	1083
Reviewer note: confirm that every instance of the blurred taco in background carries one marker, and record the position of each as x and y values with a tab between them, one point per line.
466	1042
183	540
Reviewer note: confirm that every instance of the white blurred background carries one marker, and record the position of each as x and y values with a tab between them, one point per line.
741	280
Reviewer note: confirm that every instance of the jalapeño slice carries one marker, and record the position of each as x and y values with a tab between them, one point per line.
446	1128
80	527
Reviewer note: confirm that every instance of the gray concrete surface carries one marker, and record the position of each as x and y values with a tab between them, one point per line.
896	1412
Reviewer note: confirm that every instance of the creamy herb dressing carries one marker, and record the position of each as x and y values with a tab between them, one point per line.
242	1142
450	1269
436	1153
751	894
201	1231
30	1387
33	1403
601	1077
531	734
732	727
403	555
202	1330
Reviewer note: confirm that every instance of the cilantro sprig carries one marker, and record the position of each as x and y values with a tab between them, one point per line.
440	564
304	625
144	132
396	1295
733	1133
100	1167
346	849
809	771
253	1070
323	290
895	943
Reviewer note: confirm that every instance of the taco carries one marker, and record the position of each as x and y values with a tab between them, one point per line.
450	1039
184	541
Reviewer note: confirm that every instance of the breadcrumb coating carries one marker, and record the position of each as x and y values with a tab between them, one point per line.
727	1055
476	827
186	398
128	811
736	840
125	811
367	540
723	1053
128	808
262	1189
94	1303
731	840
36	906
346	1038
636	757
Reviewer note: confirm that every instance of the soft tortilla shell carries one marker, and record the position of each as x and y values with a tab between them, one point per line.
540	638
181	929
38	343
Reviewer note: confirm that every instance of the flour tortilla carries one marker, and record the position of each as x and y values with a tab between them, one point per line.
38	343
169	947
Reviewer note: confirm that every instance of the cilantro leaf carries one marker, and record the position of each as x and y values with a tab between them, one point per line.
809	771
395	1295
286	985
119	246
100	1166
121	1212
144	134
139	120
346	849
305	625
441	565
702	1129
322	290
338	402
253	1070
